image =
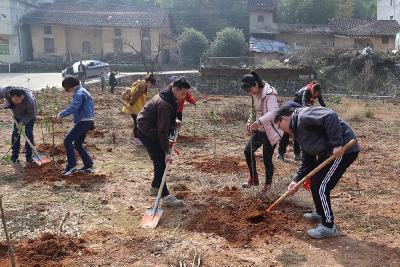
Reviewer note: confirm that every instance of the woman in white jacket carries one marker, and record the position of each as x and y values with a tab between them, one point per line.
264	132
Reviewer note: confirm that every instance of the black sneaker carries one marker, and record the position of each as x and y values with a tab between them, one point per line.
29	160
86	169
68	171
15	161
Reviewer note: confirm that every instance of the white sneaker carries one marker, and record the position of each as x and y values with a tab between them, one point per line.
322	231
171	201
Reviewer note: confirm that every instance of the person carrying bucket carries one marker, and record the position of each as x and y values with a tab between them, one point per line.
136	97
25	111
264	132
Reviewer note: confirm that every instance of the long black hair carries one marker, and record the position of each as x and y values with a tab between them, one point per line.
251	80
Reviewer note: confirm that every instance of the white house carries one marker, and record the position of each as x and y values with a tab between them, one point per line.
15	42
388	10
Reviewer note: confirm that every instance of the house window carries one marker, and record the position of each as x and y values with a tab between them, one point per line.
260	18
118	46
47	29
117	32
48	45
4	47
86	47
391	17
385	39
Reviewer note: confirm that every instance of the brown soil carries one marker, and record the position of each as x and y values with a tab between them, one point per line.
97	133
191	139
221	164
56	150
46	250
49	173
239	218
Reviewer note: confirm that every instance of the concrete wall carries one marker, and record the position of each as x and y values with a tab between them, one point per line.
6	24
38	36
129	36
75	37
267	26
385	10
296	41
13	47
376	43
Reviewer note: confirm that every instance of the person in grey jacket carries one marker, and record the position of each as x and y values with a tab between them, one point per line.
320	133
24	108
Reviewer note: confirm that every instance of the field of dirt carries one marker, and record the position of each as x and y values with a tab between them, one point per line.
221	223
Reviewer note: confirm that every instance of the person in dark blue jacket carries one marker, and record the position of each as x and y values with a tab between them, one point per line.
82	111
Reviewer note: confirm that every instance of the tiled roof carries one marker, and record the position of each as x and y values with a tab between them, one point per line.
364	27
97	15
255	5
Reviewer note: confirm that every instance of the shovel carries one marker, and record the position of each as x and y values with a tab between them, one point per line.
308	176
38	158
153	215
123	103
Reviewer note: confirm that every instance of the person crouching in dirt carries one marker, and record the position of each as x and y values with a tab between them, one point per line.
304	97
320	133
137	97
156	121
24	108
189	98
82	110
264	132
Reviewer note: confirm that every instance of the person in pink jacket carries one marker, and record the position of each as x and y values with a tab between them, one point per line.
264	132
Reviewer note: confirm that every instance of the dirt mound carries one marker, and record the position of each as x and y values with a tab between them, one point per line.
46	250
218	165
52	150
191	139
239	218
97	133
51	173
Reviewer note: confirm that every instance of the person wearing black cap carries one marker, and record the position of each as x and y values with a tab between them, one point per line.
262	128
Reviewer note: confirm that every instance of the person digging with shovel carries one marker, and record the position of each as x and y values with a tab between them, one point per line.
264	132
82	110
305	97
320	133
24	108
156	121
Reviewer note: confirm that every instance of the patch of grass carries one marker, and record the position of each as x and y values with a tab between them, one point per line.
369	114
291	258
238	112
353	111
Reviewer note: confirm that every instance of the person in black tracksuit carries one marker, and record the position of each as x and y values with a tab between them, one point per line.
304	97
320	133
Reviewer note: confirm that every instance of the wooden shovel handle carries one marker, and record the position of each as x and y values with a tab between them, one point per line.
311	174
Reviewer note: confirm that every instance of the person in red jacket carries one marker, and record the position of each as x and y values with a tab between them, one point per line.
189	98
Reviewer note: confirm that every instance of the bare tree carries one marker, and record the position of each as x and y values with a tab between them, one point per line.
149	58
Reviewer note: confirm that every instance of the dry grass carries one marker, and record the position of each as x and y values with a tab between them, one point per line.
352	110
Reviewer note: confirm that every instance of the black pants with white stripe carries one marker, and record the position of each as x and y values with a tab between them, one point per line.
324	181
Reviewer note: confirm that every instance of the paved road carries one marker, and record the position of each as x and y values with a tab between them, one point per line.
37	81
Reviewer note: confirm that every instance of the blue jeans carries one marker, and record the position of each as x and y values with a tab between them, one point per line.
75	138
16	140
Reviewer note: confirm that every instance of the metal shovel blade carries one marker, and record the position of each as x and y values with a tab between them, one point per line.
151	220
40	160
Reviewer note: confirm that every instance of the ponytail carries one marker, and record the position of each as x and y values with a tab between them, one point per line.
258	79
